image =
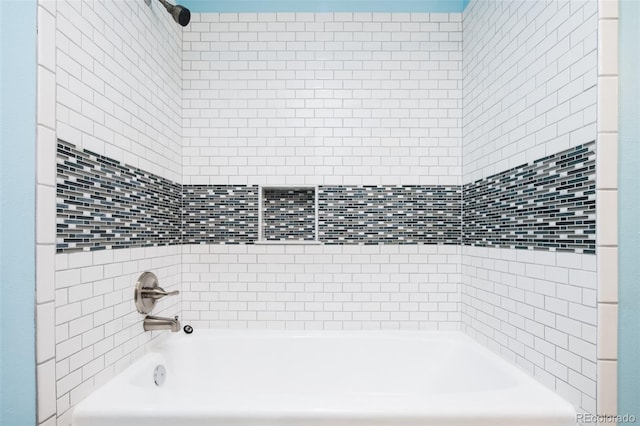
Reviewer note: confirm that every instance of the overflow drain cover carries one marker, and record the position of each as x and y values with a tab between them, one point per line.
159	375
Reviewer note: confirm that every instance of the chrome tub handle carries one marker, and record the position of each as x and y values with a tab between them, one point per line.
157	293
148	292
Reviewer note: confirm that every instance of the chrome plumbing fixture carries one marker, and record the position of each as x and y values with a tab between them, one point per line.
148	292
179	13
152	323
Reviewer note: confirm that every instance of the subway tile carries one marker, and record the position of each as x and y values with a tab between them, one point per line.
67	312
608	274
45	225
45	156
583	348
45	332
607	331
607	230
579	381
79	393
62	405
68	382
608	46
45	273
52	420
46	98
46	390
608	9
46	38
607	104
568	358
80	260
607	161
607	387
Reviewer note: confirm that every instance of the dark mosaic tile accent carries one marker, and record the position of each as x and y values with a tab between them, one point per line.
548	204
103	204
289	214
390	214
220	214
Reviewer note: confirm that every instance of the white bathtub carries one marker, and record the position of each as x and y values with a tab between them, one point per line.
242	378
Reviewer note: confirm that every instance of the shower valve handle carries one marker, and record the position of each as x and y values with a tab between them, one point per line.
148	292
157	293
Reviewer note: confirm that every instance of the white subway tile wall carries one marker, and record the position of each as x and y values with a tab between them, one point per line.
530	74
119	83
538	310
98	331
322	98
109	80
318	287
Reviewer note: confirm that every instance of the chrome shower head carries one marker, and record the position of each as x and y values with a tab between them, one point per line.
180	14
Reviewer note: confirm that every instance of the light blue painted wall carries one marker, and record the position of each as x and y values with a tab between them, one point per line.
17	212
629	208
325	5
1	139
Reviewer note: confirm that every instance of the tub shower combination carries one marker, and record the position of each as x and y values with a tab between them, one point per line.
396	378
249	378
381	227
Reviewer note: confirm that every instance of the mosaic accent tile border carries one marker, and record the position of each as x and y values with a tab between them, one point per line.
219	214
390	214
548	204
102	204
289	214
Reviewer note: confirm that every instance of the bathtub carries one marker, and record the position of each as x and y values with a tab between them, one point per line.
245	378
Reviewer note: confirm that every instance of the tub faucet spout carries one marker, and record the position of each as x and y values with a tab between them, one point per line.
160	323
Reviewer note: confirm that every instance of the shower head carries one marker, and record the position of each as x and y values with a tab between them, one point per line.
180	14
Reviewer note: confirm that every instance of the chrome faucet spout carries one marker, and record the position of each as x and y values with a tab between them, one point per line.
152	323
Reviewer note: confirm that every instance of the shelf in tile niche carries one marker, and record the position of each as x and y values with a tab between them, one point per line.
288	215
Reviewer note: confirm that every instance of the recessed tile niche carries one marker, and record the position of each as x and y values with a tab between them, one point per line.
288	214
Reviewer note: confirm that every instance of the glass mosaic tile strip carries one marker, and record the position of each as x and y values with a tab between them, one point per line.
390	214
289	214
103	204
219	214
548	204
